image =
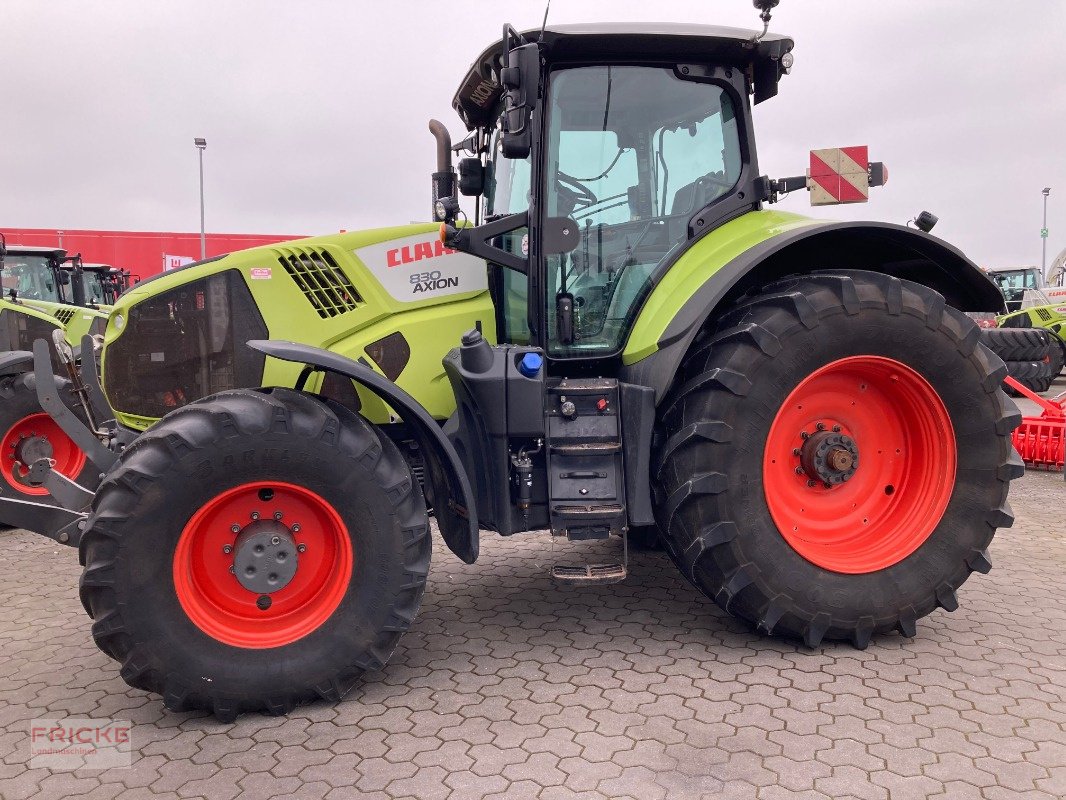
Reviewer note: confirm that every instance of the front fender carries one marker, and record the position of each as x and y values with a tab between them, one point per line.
453	497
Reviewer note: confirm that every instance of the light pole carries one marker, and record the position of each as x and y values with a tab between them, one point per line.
201	145
1043	237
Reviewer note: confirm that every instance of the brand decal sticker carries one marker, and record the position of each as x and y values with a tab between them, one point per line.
261	273
420	267
409	254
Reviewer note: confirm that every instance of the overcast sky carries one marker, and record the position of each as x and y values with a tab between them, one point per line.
315	112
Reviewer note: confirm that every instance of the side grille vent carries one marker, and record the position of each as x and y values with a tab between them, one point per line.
65	315
322	281
1044	314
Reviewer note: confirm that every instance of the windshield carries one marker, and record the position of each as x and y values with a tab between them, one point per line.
94	291
633	153
1013	283
31	276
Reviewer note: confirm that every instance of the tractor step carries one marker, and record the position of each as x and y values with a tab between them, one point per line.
586	491
589	573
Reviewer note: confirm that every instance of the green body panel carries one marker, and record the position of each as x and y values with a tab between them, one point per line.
24	307
708	255
75	320
431	327
1051	317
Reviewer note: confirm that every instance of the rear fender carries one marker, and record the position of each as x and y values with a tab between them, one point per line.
453	497
872	246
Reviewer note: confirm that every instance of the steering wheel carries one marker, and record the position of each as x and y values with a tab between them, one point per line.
577	187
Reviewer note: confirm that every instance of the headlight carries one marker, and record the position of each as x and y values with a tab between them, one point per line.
119	321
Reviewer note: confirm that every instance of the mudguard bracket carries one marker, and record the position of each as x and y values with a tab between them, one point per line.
444	469
48	396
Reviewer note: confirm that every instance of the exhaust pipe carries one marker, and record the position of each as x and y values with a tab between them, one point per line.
443	179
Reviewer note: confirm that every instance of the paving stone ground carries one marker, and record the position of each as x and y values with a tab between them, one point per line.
509	686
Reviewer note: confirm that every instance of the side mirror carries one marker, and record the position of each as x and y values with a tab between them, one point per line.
520	78
471	177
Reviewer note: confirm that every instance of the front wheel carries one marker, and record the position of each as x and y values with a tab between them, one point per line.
27	433
836	457
254	550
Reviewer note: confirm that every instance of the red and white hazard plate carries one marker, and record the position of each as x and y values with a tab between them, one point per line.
839	175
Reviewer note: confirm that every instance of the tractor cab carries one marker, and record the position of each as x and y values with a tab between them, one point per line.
33	273
103	283
596	153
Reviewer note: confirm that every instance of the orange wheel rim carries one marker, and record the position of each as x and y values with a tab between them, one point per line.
859	464
217	545
36	436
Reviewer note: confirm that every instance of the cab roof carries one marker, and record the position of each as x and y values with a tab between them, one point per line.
34	250
655	41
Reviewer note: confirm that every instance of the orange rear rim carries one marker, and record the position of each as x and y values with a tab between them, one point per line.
859	464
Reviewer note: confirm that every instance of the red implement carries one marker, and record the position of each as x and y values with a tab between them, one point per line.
1041	441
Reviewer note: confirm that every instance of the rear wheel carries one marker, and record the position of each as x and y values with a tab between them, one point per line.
255	550
836	457
27	433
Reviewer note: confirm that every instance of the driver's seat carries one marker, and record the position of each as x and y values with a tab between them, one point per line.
694	196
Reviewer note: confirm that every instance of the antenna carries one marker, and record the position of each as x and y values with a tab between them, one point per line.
544	24
765	7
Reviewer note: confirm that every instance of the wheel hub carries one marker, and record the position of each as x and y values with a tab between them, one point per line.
31	448
829	457
264	557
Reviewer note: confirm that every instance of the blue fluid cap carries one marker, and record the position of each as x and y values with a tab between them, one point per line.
530	364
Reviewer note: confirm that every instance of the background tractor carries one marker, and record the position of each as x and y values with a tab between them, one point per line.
45	292
622	342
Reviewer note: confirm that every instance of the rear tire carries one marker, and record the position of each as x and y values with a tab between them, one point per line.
1016	344
157	580
723	464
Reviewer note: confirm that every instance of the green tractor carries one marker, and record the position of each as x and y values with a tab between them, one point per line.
45	297
623	343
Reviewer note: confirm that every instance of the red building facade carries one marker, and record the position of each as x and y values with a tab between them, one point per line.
141	252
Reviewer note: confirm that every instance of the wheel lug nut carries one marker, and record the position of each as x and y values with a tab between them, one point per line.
820	426
810	483
804	435
796	451
277	515
836	429
296	528
227	548
235	528
827	485
231	569
799	470
255	515
301	548
274	540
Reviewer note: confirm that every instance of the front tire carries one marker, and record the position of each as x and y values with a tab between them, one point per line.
835	457
255	550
